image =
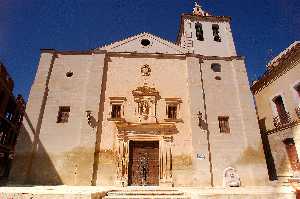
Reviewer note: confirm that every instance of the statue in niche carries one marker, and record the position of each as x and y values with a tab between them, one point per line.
144	107
231	178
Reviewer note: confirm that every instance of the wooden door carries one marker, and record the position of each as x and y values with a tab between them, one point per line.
143	163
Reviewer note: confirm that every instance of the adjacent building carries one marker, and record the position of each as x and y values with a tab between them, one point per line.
277	96
144	111
11	114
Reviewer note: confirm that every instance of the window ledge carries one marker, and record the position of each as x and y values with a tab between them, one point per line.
174	120
116	119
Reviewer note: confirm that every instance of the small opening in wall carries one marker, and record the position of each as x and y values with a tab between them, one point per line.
218	78
145	42
216	67
69	74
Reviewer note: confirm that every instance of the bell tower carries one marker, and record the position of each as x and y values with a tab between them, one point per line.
205	34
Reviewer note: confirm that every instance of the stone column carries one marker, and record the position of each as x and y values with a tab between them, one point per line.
122	162
165	155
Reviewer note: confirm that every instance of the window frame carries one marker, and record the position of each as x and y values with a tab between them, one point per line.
118	114
116	101
173	102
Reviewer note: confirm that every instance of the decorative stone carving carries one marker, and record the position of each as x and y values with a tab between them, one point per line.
231	178
146	98
146	70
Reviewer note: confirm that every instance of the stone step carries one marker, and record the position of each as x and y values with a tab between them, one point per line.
146	193
147	197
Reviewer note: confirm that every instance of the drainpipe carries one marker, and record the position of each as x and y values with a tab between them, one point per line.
207	130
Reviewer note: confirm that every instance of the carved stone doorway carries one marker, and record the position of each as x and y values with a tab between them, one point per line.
143	168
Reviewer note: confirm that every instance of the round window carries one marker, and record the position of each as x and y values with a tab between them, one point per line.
145	42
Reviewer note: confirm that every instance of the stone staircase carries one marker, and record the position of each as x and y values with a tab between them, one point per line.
146	193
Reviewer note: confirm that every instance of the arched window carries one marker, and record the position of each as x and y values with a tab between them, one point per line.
216	67
215	28
199	31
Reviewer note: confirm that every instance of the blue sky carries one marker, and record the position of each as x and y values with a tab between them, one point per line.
261	28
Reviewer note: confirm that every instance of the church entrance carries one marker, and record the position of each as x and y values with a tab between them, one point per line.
143	168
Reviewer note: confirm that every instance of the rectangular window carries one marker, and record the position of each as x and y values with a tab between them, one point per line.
172	111
224	124
63	114
116	111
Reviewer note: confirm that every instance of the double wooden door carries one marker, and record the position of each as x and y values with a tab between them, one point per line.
143	167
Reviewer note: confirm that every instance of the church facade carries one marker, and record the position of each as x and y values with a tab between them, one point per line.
144	111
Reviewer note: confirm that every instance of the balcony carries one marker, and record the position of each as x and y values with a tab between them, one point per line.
282	119
297	109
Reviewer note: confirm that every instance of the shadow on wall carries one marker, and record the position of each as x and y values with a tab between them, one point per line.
32	164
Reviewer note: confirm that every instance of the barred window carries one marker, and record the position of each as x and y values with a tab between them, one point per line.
116	111
224	124
63	114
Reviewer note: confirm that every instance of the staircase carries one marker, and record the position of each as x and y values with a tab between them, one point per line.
146	192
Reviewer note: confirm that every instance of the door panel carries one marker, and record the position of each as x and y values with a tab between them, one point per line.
143	163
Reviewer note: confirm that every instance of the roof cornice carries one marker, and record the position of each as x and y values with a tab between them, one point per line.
285	64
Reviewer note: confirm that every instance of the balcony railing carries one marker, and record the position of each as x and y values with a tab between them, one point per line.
297	109
282	119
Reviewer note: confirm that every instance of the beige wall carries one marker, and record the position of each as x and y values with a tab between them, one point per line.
60	153
67	150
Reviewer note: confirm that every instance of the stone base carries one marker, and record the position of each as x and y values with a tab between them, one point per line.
97	192
121	183
166	184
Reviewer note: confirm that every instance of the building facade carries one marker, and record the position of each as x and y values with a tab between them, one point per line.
11	114
277	95
144	111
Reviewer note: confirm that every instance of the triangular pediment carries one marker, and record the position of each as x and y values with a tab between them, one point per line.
144	43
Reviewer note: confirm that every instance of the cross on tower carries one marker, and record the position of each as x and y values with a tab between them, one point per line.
197	9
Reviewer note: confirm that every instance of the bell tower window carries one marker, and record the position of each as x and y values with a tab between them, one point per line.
199	32
216	35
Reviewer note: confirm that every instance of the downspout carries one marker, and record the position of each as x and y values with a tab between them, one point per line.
207	130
